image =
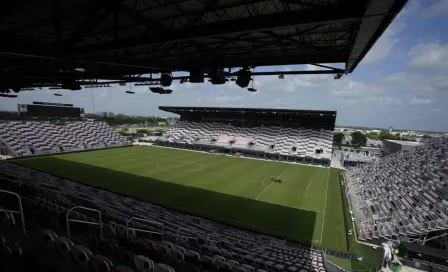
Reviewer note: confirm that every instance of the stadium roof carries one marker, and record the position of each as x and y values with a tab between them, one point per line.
50	41
180	110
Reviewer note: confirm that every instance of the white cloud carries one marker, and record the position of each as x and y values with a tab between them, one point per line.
381	49
225	99
432	55
386	43
418	84
372	100
439	8
420	101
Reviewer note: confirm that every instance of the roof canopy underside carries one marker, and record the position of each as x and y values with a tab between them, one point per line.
246	111
46	40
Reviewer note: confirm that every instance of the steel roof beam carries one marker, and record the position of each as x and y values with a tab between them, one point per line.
134	15
7	7
234	27
378	16
91	20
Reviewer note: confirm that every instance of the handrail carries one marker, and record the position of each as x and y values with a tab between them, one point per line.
188	237
13	181
83	221
19	211
141	230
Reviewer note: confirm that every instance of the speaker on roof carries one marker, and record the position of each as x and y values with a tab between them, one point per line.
218	76
244	77
166	79
196	76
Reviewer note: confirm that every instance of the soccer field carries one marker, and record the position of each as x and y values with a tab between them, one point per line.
305	207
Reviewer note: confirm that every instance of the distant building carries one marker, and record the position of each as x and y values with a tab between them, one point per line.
374	143
392	146
372	151
105	114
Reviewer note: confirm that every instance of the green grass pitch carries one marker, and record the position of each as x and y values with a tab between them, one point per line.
305	207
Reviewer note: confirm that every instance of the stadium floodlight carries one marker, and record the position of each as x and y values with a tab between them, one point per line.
82	70
130	92
146	83
166	91
156	89
252	89
4	90
27	89
8	95
338	76
166	79
281	76
57	94
244	77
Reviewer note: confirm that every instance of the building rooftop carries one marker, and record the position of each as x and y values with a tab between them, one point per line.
405	142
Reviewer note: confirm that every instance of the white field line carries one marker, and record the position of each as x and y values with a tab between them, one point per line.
268	186
262	182
200	168
325	207
161	170
307	188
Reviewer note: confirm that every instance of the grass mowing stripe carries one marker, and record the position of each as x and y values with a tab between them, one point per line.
224	189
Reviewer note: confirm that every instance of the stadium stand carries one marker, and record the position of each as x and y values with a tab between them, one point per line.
404	194
282	139
155	239
34	137
287	134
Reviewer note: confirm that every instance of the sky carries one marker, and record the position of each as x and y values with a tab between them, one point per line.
402	82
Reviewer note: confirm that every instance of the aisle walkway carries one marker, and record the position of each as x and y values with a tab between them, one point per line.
336	160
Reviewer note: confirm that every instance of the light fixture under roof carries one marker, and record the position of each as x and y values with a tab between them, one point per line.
281	76
243	77
8	95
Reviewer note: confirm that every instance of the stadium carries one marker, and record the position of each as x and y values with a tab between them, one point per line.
223	188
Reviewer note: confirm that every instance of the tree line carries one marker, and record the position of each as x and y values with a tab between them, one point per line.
360	139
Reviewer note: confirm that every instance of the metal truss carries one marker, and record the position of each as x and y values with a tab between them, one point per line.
111	38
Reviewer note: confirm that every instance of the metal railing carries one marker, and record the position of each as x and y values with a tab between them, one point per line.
20	211
83	221
142	230
188	237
